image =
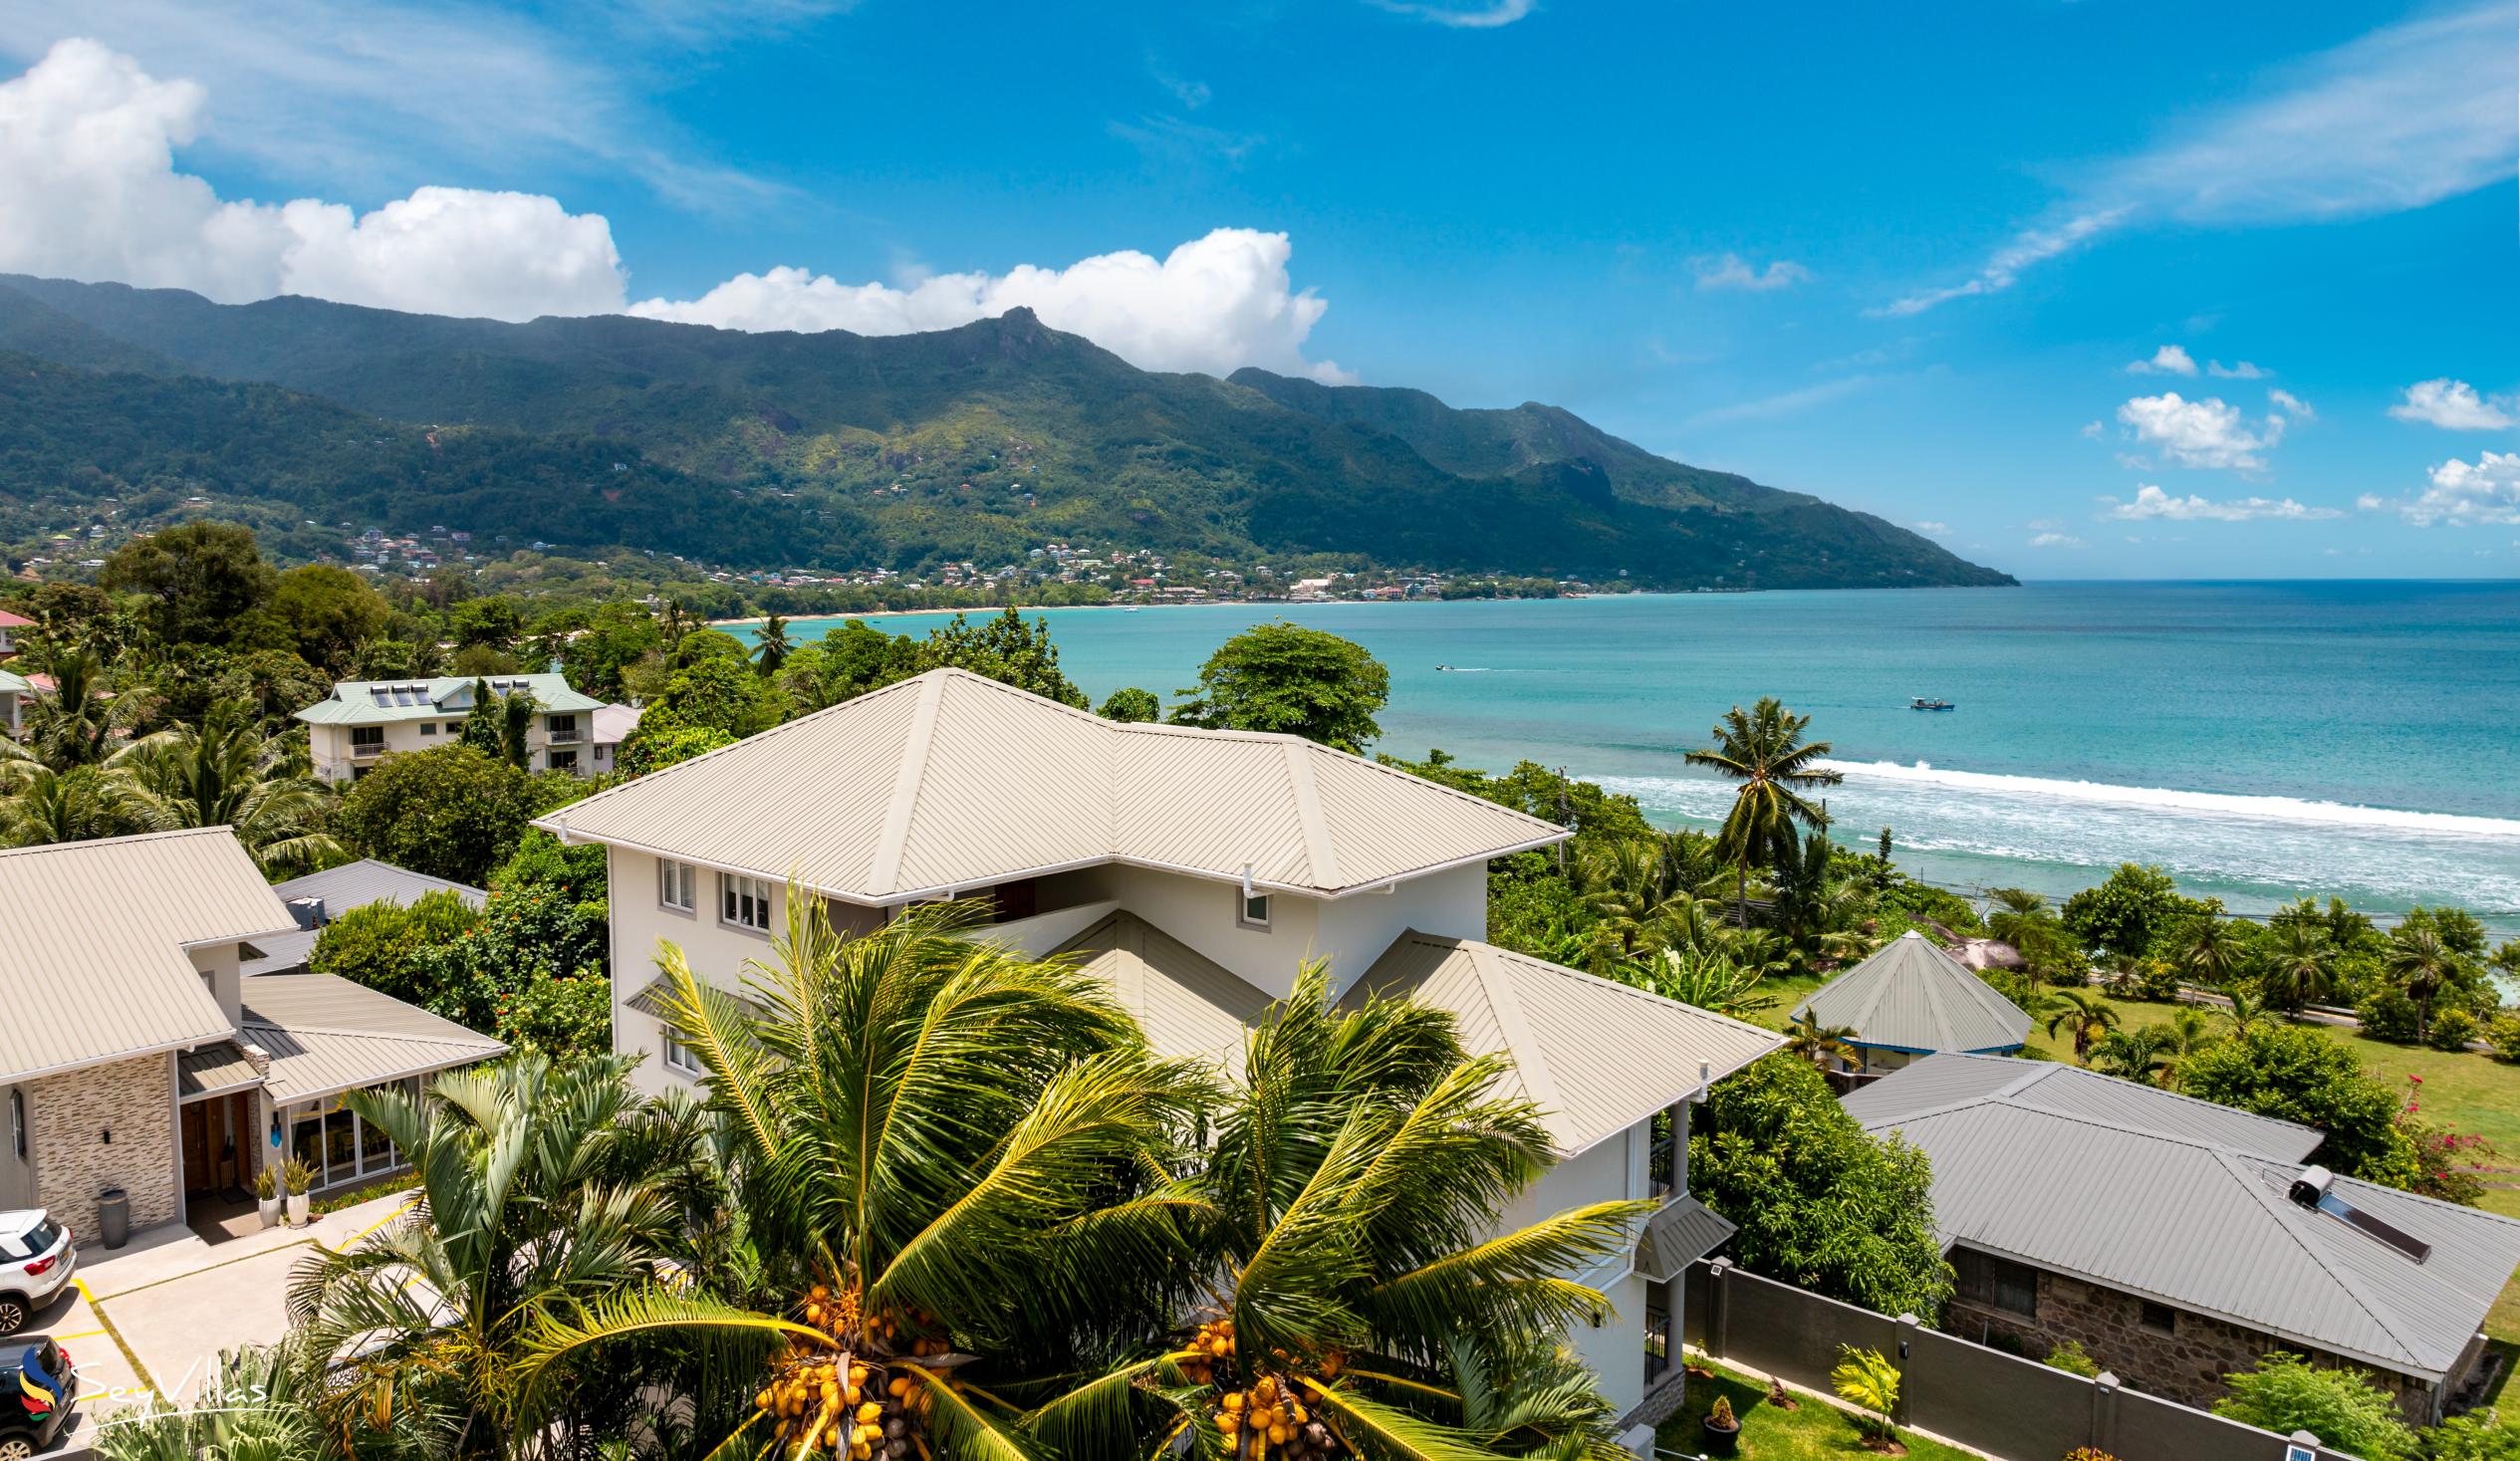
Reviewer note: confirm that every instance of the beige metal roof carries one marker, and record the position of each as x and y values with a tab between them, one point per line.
1597	1057
1190	1006
951	781
326	1034
93	939
214	1069
1682	1232
1912	996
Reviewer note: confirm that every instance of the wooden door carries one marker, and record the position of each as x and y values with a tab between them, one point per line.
197	1176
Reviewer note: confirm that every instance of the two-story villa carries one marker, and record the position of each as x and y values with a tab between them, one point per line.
361	720
1195	870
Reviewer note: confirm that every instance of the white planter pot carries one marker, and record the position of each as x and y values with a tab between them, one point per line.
300	1205
268	1207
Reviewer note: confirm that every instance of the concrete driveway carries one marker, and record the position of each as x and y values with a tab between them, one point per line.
151	1317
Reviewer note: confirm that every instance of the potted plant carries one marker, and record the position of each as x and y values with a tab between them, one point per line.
267	1195
1723	1428
297	1177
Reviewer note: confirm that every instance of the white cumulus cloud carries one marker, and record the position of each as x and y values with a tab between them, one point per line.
2169	359
2200	433
1731	271
2454	406
2486	490
89	189
1215	304
2152	502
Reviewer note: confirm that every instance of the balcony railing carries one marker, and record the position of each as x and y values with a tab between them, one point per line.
572	737
367	748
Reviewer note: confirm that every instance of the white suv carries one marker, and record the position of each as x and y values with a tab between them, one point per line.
35	1264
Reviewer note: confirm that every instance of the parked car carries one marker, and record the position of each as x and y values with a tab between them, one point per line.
39	1395
36	1260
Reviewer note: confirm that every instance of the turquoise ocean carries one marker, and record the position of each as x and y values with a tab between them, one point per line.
2259	740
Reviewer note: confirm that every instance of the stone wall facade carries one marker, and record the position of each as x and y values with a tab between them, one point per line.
2186	1363
68	1118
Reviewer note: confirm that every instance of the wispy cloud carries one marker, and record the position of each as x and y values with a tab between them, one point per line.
2152	503
1731	271
2456	406
1192	95
2244	371
1783	403
1473	16
1180	140
2169	359
2055	540
2401	118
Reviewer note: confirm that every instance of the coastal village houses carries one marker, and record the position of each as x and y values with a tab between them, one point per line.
361	720
1196	871
140	1056
2177	1240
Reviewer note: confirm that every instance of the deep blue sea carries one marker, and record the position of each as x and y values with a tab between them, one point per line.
2259	740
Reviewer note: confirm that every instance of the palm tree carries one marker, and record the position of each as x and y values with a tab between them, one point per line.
43	806
78	720
2244	1011
2086	1014
2016	911
2422	964
2210	952
1357	1174
2141	1056
227	773
1621	884
1806	1037
533	1207
2189	1029
771	646
2297	964
1764	751
956	1164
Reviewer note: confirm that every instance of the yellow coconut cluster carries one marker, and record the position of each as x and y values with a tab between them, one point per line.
830	1402
1271	1419
1211	1347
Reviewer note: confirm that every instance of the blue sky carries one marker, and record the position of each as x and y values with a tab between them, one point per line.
1904	259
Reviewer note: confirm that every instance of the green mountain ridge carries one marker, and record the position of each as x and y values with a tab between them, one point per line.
835	450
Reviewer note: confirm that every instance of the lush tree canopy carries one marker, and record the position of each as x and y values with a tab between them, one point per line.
1820	1203
451	813
1293	680
203	580
2298	1073
2343	1409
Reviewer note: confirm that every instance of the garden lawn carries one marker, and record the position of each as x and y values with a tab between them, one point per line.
1816	1431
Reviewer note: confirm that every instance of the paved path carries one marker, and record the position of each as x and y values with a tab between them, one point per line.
151	1317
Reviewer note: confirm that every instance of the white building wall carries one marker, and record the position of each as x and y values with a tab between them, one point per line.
716	951
1359	926
222	968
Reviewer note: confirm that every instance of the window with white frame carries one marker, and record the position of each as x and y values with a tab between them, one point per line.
675	885
743	901
1251	910
679	1057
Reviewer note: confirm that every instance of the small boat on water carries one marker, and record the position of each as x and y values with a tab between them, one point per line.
1922	703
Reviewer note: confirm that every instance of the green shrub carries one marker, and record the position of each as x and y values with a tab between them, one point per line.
382	944
2473	1438
2504	1033
561	1016
2388	1014
2069	1357
2451	1030
2345	1410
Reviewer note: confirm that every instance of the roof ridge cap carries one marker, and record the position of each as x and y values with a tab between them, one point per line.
883	869
1318	847
1540	1083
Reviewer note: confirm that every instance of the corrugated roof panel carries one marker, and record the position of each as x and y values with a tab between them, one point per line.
357	885
997	792
1597	1056
1006	783
2206	1228
93	940
326	1034
1682	1232
1190	1006
1911	995
1950	1080
212	1069
1217	802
